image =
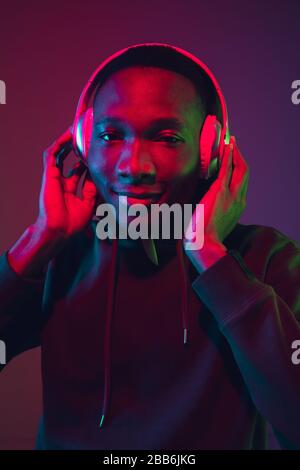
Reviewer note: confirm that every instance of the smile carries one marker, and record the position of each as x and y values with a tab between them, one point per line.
138	193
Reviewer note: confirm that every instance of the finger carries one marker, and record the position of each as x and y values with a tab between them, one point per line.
61	141
72	180
89	190
226	165
245	187
52	175
61	155
241	171
59	149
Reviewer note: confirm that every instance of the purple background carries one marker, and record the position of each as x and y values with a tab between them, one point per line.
47	52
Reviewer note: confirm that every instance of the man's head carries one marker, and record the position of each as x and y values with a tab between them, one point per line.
145	141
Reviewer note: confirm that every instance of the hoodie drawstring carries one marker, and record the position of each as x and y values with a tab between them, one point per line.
184	291
107	337
110	310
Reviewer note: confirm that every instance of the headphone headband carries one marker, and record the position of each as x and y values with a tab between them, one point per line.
99	73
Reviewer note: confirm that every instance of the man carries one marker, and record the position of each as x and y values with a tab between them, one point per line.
117	371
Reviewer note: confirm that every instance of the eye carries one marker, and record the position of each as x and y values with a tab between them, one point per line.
169	138
109	136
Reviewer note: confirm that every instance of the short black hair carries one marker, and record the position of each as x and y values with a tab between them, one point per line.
169	59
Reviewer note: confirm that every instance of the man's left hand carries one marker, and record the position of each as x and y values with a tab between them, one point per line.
224	203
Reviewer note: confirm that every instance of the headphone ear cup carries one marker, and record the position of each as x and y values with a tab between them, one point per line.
82	134
209	147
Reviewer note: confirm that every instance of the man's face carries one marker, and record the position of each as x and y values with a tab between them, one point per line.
145	142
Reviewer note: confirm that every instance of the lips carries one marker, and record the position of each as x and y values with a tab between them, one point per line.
139	192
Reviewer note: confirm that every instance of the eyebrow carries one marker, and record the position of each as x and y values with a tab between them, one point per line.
158	123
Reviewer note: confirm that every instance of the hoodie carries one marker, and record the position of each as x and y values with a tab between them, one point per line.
143	356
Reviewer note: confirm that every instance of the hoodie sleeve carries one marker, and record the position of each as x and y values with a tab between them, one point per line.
20	311
260	321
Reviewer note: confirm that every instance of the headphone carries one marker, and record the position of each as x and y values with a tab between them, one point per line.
213	136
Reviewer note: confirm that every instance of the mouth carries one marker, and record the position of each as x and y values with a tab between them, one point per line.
139	194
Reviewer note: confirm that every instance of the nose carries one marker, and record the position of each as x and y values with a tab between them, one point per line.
136	166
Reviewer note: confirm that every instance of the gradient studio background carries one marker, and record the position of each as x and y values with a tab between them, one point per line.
47	52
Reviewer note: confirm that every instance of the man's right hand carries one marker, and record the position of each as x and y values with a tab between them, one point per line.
61	212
